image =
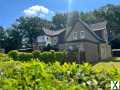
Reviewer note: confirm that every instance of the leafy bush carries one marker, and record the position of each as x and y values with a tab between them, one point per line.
47	56
60	56
2	55
25	56
36	75
13	54
36	54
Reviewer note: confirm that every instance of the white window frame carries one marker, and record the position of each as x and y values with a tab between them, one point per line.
82	34
75	36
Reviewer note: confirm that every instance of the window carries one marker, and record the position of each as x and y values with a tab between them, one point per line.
55	41
82	34
75	35
43	38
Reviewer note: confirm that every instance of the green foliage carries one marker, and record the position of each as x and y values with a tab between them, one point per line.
31	27
13	54
25	56
60	56
59	20
2	37
46	56
36	75
3	57
36	54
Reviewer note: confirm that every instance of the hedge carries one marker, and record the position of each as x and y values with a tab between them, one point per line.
46	56
25	56
13	54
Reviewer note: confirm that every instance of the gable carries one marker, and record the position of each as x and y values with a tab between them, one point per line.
100	29
78	28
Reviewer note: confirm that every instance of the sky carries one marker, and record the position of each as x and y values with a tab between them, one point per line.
10	10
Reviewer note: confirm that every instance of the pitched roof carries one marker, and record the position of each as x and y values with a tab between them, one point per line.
88	28
98	26
91	31
53	33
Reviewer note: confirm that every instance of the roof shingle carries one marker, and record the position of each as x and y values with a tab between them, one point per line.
98	26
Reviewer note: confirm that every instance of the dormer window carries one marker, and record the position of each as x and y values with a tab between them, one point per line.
75	35
82	34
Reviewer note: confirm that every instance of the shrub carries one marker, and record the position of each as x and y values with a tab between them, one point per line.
36	54
53	76
13	54
47	56
60	56
25	56
4	57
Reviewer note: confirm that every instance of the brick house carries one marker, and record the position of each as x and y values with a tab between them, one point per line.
90	40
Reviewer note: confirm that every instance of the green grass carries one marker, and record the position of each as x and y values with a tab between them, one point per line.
108	65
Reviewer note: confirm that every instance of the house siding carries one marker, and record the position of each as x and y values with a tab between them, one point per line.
78	28
79	45
91	51
105	51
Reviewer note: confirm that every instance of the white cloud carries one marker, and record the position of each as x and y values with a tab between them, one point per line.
38	10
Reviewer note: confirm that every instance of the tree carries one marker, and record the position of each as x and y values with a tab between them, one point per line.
32	27
2	37
59	20
13	39
88	17
62	20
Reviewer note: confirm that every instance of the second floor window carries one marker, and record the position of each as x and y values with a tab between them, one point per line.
75	35
82	34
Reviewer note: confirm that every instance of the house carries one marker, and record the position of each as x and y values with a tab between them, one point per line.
90	40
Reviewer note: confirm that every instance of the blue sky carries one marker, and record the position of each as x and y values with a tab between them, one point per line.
12	9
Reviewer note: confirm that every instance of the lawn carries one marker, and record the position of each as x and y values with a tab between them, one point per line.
108	65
